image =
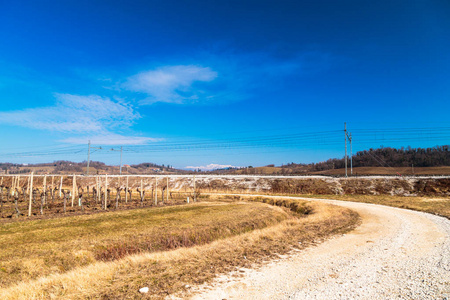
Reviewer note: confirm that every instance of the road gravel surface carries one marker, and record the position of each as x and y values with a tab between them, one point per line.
394	254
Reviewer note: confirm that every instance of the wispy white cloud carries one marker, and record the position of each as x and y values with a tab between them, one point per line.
211	167
172	84
111	139
83	118
75	114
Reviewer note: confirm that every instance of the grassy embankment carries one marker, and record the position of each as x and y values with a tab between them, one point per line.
113	255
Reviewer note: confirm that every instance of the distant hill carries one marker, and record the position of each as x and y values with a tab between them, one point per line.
95	167
389	161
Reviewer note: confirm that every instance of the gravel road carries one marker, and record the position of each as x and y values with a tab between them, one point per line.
394	254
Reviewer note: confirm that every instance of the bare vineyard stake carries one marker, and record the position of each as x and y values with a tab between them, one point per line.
28	185
16	199
45	188
195	198
99	192
31	194
80	199
42	202
156	190
73	188
126	192
117	196
167	192
98	189
106	191
1	196
13	185
65	201
60	186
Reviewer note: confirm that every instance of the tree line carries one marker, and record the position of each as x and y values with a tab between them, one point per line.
391	157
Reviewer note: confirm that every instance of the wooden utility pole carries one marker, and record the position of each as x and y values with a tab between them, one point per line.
31	194
351	154
345	158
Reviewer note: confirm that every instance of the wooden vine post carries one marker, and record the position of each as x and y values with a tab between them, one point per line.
96	187
28	185
45	188
106	191
142	189
13	185
31	194
167	190
126	191
156	190
60	186
98	190
73	188
195	198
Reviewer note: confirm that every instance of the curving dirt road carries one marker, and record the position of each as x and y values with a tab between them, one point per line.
394	254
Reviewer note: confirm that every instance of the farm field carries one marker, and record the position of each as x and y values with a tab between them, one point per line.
112	255
358	171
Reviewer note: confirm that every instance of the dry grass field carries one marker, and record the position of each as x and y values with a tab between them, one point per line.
112	255
406	171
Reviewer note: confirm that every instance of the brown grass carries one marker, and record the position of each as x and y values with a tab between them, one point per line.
39	248
169	272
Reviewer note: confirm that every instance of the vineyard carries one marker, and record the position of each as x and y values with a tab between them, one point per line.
45	195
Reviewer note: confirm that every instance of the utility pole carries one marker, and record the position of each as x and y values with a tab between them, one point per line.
121	151
345	137
351	154
89	155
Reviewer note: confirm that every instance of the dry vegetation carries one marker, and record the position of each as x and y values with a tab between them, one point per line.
38	248
434	205
81	257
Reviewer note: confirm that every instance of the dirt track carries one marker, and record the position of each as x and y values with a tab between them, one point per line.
395	253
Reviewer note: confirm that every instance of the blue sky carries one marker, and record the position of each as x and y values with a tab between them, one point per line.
193	83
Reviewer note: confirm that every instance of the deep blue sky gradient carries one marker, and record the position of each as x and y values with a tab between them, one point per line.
275	68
